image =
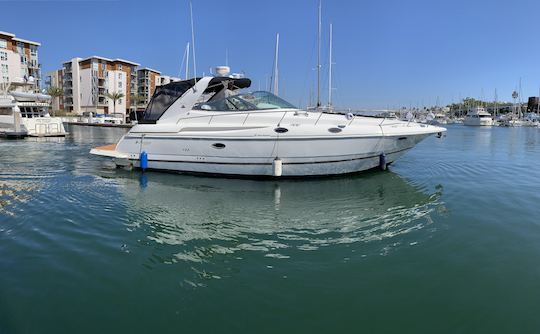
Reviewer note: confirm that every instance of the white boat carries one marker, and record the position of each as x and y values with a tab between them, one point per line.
27	114
478	117
207	126
440	119
107	119
10	118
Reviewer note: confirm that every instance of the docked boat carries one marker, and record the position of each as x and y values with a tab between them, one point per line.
27	114
10	119
439	119
207	125
478	117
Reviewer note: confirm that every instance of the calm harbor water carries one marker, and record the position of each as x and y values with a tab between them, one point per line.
448	240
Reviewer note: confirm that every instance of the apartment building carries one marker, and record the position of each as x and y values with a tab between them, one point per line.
19	62
147	80
56	79
87	81
165	79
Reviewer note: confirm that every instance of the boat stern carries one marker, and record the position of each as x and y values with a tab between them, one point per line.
108	151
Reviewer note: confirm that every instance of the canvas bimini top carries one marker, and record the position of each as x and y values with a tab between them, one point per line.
165	96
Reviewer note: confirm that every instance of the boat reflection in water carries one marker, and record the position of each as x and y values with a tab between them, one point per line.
201	218
14	192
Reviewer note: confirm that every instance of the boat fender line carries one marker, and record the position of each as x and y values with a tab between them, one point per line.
382	161
144	160
277	167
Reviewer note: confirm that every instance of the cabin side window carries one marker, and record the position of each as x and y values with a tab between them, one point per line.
6	111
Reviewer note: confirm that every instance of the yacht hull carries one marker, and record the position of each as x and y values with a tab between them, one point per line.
299	157
478	122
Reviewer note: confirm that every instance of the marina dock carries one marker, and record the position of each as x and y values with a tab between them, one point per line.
102	125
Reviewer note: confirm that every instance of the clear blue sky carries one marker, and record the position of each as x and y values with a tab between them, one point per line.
388	53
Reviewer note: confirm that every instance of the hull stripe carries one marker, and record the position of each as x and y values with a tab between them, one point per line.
269	164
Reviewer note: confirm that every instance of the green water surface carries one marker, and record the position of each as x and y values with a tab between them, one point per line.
446	241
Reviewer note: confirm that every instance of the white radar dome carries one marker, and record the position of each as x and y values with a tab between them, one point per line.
222	71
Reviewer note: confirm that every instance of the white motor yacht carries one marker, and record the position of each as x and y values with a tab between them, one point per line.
206	125
478	117
27	114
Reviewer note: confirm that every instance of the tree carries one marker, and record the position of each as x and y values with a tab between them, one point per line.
136	99
55	92
114	96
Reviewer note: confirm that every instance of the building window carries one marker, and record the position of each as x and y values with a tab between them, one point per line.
5	68
24	60
3	43
119	84
120	67
3	55
33	50
120	101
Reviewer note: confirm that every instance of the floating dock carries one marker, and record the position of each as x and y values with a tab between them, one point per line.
103	125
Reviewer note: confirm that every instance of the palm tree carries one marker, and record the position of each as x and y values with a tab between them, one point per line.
114	96
55	92
136	99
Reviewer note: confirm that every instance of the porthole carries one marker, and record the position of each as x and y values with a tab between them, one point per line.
335	130
281	130
219	146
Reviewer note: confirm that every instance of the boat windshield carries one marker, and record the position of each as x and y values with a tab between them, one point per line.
33	111
246	101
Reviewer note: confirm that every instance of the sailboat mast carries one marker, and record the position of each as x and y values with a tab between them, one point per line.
276	71
496	103
330	71
538	103
319	56
187	61
519	100
193	40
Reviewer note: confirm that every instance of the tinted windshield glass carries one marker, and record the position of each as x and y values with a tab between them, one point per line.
266	100
246	101
163	98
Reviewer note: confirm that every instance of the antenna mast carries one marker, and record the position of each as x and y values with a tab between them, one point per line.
496	103
330	71
187	61
276	71
193	40
319	56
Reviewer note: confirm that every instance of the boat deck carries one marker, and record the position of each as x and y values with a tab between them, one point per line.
108	151
111	147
